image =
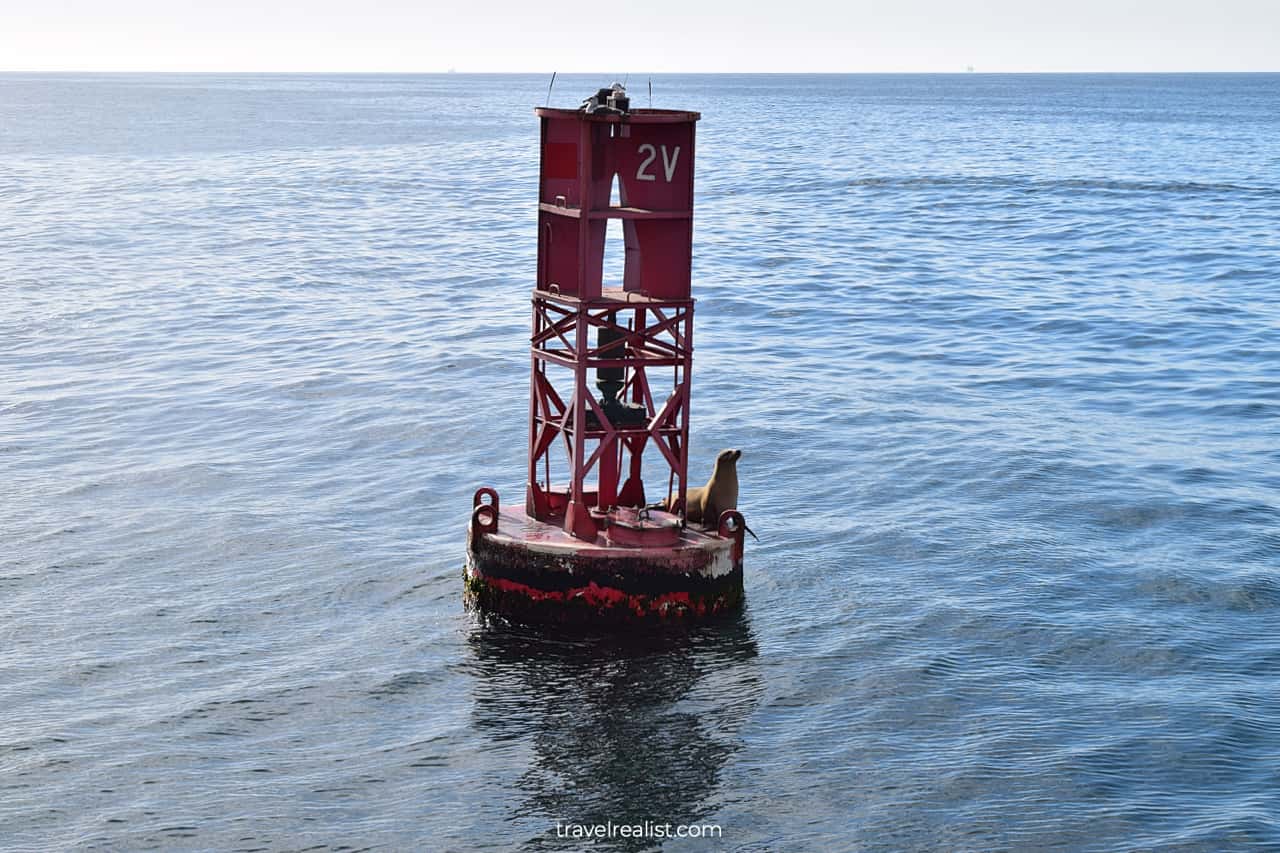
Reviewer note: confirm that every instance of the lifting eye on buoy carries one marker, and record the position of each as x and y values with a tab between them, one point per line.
733	526
484	516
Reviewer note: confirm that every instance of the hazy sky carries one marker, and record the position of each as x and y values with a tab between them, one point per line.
637	37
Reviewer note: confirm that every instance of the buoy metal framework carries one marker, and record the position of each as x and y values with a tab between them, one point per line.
610	388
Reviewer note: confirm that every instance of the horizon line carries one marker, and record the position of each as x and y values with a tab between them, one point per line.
455	72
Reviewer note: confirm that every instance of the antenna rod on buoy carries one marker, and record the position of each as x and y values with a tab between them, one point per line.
552	86
650	93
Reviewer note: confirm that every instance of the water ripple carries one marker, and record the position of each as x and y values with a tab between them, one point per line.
1000	351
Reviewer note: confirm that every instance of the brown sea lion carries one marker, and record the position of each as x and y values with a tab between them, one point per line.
703	504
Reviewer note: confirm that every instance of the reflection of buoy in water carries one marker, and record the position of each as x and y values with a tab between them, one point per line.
591	552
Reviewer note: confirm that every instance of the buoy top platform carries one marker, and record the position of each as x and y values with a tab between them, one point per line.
602	538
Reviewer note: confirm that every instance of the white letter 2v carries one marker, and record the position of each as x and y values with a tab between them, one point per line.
668	163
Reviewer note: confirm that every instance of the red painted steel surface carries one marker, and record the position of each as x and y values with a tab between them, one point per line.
610	381
649	153
641	528
641	326
654	337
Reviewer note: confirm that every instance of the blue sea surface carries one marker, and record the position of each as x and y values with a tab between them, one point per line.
1002	352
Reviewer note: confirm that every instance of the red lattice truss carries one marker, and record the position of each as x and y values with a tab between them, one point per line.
653	340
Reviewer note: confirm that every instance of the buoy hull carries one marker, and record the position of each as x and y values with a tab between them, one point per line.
532	571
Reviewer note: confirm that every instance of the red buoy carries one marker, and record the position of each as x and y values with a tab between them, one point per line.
610	386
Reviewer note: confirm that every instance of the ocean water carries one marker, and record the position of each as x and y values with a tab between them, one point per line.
1002	352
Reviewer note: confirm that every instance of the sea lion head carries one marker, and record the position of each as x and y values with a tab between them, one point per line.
727	459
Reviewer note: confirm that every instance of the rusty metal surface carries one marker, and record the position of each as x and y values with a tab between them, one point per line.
532	571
